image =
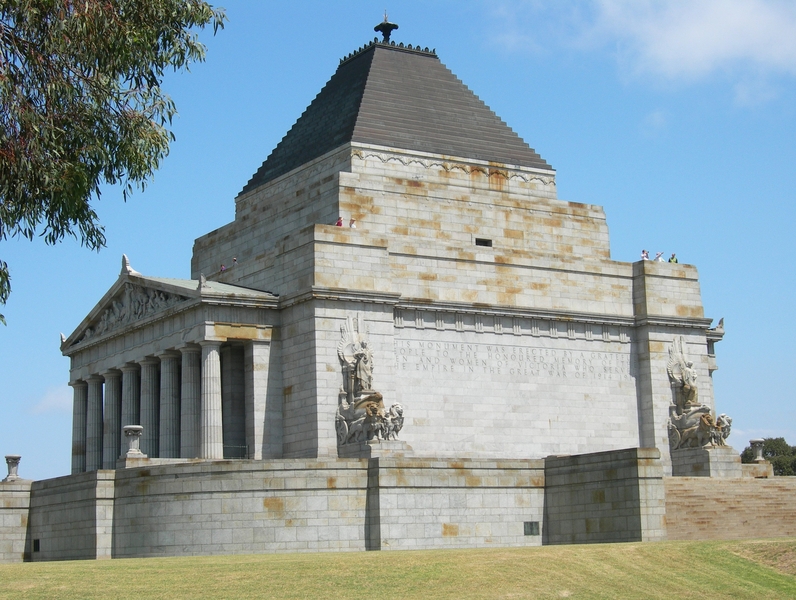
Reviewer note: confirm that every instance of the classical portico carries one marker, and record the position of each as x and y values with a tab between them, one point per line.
165	354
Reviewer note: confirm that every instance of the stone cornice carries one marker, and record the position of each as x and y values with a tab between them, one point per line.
700	323
521	312
337	294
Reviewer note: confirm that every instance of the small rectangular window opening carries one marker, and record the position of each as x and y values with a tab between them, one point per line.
483	242
35	545
531	527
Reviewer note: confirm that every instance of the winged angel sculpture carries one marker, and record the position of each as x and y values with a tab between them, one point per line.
361	415
691	424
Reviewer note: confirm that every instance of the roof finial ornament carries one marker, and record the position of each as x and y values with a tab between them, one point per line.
385	28
126	268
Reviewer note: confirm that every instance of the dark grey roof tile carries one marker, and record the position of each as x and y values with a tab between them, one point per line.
395	97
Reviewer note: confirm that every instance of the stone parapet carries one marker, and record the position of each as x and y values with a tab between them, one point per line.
719	461
289	505
72	517
760	470
241	507
14	511
458	503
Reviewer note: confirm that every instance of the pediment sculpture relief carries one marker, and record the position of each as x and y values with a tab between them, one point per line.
135	302
690	424
361	415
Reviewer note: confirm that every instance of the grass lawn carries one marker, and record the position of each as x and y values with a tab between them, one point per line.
764	569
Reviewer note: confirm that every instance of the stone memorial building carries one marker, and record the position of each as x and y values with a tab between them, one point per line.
403	340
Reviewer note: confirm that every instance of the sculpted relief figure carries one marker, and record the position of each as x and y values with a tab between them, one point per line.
135	302
361	415
691	424
364	368
682	374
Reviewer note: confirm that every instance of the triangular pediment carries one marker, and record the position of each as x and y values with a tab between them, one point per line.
131	299
135	298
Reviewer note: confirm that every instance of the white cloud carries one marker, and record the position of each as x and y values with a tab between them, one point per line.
754	92
693	38
55	400
654	124
671	39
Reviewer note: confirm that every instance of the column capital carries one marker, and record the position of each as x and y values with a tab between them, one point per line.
188	347
167	354
95	378
78	383
149	360
111	373
211	343
129	367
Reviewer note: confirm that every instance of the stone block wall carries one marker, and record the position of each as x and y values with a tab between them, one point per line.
705	508
292	505
604	497
450	202
14	511
71	517
304	197
240	508
667	304
300	420
475	389
718	461
546	274
426	504
295	505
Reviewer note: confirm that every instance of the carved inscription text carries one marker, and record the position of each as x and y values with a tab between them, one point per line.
523	361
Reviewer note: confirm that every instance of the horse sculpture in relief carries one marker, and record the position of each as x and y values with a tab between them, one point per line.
691	424
361	415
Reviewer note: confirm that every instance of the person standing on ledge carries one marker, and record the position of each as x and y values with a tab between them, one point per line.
339	222
673	258
352	223
659	257
645	255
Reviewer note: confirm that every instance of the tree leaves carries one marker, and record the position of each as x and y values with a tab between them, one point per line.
81	104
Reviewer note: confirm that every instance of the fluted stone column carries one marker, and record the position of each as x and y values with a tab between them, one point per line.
131	394
190	401
169	444
94	424
79	408
211	435
150	406
112	422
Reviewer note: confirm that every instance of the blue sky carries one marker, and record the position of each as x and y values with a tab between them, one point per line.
679	118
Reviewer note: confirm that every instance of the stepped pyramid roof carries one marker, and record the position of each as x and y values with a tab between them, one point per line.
400	97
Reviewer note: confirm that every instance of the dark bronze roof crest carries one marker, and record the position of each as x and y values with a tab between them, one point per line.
385	28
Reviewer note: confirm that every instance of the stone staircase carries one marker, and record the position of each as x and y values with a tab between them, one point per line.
699	508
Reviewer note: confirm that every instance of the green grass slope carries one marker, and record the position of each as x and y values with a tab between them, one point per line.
703	570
